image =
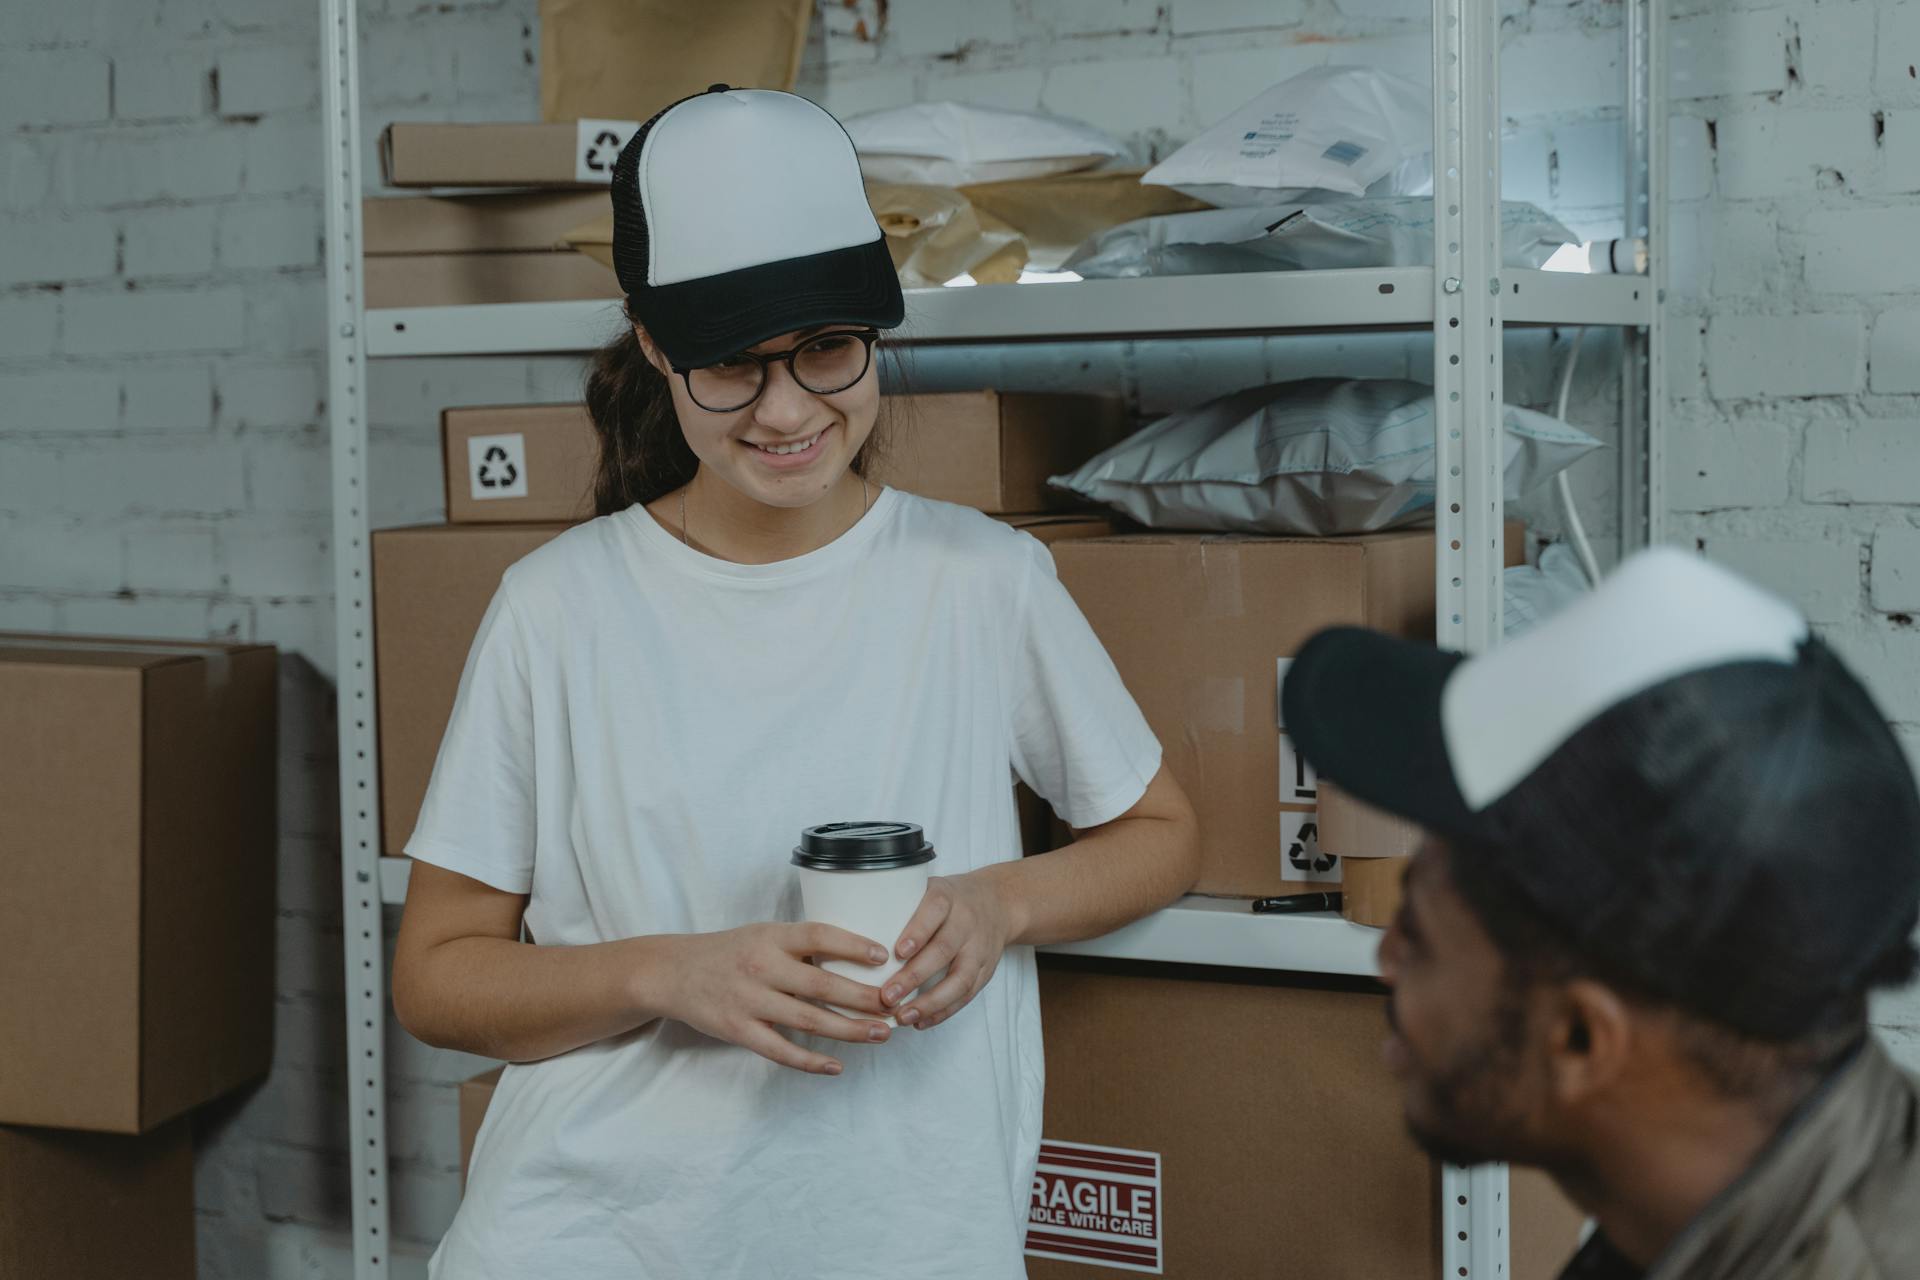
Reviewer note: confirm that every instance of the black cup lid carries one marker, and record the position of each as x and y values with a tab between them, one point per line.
862	846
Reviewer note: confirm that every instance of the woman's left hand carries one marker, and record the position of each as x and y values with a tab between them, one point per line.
963	926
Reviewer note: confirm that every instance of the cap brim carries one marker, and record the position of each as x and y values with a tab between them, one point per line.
698	322
1364	708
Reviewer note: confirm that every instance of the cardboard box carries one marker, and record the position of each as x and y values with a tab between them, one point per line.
431	587
514	463
1199	625
495	223
482	279
979	449
995	451
137	780
93	1206
1257	1113
475	1094
496	155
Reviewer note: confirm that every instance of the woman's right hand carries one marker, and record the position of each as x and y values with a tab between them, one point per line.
740	985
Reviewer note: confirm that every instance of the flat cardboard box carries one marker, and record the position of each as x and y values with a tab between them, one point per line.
494	223
1197	625
482	279
977	448
995	451
481	155
95	1206
518	463
475	1094
137	780
431	587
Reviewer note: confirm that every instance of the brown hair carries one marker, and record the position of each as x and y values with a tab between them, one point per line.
644	455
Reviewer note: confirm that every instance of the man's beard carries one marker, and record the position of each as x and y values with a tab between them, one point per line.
1469	1118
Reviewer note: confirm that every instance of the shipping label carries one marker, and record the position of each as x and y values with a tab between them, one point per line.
1099	1206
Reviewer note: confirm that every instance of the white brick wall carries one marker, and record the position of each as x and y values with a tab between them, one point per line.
163	464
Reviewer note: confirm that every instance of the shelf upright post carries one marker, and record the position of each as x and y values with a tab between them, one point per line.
1469	405
1643	373
365	943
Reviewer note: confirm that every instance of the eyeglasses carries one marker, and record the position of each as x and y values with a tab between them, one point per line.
823	364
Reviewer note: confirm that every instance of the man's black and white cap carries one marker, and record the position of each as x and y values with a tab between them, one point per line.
739	215
1672	771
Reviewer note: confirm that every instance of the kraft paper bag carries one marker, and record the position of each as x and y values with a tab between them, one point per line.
626	59
1056	215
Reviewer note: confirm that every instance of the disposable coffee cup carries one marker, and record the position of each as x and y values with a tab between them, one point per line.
867	878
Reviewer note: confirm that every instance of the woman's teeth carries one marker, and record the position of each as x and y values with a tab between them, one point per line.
801	447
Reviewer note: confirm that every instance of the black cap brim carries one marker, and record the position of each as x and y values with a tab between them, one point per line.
1364	708
698	322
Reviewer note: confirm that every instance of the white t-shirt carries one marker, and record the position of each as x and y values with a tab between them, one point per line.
642	732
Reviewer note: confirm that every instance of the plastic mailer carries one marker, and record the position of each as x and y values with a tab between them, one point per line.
1336	129
955	143
1320	457
1396	232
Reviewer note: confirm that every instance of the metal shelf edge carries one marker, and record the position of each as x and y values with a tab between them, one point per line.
1162	307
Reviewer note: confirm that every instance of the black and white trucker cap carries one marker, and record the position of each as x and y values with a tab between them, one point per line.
739	215
1672	772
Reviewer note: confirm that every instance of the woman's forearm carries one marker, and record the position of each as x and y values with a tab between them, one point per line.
521	1002
1109	877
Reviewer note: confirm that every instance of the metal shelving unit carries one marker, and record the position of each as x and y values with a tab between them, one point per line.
1466	301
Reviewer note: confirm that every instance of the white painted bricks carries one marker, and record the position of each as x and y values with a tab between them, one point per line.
1863	460
1785	355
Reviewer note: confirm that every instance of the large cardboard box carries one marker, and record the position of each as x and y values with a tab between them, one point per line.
497	222
137	784
501	155
1215	1123
484	279
514	463
1200	626
431	587
95	1206
995	450
978	448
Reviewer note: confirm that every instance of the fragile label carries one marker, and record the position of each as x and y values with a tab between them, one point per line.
1297	783
597	145
1300	855
1097	1205
497	466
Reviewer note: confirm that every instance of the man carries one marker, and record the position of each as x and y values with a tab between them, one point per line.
1671	847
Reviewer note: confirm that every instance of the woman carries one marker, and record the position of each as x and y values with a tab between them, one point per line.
751	639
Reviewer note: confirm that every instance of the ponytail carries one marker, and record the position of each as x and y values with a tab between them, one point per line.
644	454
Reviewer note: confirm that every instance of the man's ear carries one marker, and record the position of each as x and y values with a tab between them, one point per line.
654	355
1590	1041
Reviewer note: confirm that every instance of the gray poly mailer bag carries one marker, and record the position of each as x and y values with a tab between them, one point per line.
1318	457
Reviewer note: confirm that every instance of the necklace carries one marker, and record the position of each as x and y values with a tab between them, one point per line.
686	537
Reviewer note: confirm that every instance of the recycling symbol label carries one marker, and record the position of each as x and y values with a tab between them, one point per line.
497	466
597	144
1302	857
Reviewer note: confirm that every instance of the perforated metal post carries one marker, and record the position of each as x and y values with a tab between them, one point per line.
1643	386
353	645
1468	404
